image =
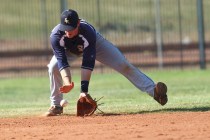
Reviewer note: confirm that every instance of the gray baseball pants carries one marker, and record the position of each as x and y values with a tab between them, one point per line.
109	55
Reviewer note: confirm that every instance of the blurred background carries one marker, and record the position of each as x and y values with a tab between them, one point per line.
152	34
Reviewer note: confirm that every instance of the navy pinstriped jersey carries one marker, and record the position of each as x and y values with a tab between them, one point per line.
83	44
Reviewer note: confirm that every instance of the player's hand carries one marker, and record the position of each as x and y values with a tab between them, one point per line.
67	88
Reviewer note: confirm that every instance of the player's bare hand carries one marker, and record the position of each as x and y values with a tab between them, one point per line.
67	88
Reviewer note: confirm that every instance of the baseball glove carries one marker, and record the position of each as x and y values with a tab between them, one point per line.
86	106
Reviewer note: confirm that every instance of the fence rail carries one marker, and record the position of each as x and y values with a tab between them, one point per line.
144	57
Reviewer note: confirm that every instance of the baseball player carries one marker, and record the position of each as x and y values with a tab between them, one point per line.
73	38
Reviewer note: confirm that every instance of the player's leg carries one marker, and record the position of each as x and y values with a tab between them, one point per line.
55	83
109	55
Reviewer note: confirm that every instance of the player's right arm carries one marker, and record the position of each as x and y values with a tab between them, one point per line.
67	83
63	65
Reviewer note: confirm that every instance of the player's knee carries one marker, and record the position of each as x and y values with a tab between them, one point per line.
126	67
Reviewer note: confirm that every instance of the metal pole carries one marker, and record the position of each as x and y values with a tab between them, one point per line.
99	27
180	33
44	24
63	5
158	33
99	15
201	34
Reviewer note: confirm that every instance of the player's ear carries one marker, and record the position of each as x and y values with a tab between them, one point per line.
78	23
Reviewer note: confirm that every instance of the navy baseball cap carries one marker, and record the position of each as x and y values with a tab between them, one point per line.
69	20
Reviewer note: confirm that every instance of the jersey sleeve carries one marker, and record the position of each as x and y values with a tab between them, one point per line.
89	52
59	53
89	56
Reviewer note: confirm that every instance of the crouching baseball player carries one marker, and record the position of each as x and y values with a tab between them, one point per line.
73	38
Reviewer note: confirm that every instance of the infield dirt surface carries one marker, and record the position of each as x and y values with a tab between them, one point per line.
158	126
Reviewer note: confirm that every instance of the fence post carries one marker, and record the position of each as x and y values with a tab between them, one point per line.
63	5
98	15
158	33
180	33
44	25
99	27
201	34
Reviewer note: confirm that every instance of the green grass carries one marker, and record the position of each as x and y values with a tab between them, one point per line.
188	91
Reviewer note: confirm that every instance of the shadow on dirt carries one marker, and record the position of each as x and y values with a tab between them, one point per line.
165	110
196	109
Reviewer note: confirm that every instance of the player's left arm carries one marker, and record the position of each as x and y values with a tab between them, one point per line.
86	105
88	64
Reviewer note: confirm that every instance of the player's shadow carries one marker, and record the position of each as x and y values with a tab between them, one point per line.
195	109
109	114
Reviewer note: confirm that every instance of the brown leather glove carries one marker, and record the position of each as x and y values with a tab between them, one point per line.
86	106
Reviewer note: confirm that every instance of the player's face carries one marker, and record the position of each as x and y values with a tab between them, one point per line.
73	33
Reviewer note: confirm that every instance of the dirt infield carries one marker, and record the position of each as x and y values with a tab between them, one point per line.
158	126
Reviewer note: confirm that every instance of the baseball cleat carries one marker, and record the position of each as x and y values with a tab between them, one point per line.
160	95
54	111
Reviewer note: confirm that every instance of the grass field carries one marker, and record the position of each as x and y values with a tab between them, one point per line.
188	90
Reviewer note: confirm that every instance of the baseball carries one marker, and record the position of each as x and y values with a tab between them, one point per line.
64	103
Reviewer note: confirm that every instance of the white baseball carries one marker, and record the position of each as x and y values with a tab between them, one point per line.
64	103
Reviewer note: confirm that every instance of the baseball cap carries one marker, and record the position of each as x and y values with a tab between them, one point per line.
69	20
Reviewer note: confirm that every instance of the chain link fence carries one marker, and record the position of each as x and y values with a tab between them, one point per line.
151	33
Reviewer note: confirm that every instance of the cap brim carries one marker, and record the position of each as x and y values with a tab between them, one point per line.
66	28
